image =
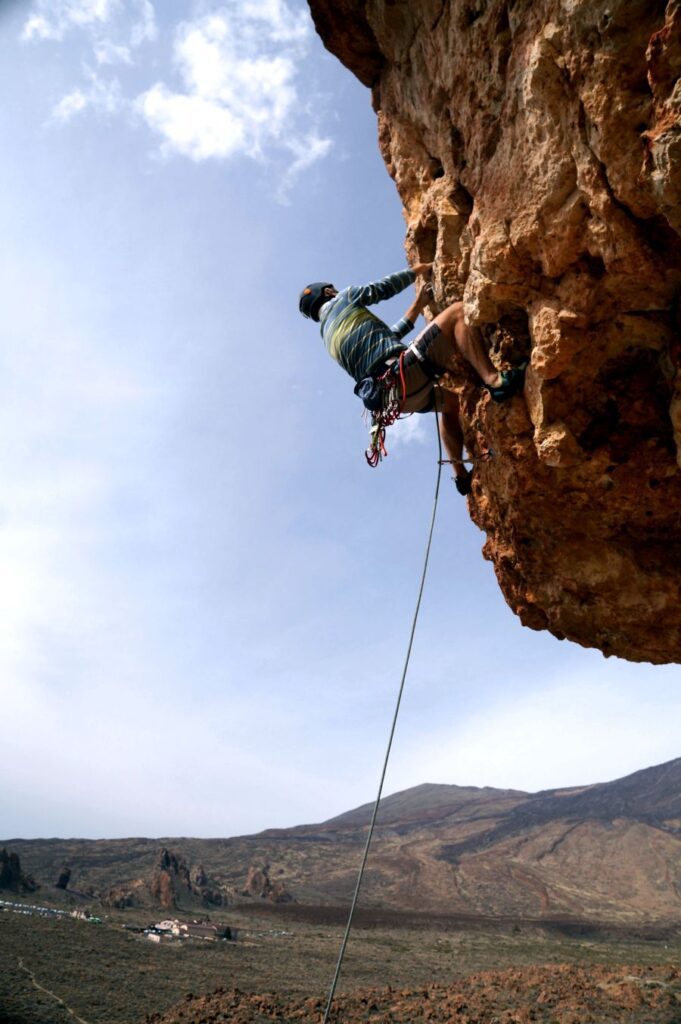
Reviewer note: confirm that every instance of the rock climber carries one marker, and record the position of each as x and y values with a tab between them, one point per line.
365	347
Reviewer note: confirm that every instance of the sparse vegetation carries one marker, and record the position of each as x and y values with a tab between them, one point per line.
107	975
460	881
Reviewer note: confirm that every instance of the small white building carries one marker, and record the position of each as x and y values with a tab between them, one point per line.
173	927
205	930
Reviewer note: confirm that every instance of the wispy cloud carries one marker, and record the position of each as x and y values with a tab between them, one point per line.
143	28
307	150
98	94
54	19
238	68
411	430
232	87
113	29
107	52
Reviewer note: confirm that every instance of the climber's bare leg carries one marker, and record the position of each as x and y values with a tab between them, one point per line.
452	435
469	342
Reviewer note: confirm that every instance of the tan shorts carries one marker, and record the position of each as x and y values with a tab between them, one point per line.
422	393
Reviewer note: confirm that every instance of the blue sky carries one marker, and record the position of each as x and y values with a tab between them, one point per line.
205	591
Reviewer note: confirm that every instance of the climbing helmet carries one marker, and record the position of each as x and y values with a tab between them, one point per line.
312	299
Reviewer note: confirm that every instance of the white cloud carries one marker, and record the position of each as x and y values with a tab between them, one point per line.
144	27
280	23
70	105
306	150
107	52
114	26
104	97
52	19
191	125
239	69
37	27
411	430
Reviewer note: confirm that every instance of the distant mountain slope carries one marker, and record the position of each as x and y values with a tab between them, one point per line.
651	794
609	851
429	803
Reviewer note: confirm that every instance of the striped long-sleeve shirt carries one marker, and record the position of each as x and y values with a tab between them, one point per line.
356	338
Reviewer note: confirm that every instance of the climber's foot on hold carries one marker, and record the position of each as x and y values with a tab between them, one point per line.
511	381
463	482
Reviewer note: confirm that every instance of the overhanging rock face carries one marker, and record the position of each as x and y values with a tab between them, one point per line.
536	146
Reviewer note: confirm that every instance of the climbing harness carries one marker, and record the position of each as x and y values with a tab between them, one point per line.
370	833
383	397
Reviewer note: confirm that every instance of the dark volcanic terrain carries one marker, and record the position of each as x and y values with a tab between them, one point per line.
609	852
562	906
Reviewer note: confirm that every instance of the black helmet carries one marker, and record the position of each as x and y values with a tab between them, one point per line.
313	298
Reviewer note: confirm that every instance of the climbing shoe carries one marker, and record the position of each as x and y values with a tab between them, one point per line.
463	483
511	383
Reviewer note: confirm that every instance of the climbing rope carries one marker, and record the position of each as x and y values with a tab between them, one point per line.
370	833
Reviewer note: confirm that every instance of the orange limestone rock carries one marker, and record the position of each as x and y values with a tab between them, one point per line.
536	146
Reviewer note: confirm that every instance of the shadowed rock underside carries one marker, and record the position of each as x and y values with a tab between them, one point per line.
536	147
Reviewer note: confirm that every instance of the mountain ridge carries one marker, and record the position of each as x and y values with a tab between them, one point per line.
606	851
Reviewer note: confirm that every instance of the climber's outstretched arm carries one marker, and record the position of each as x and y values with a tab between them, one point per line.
368	294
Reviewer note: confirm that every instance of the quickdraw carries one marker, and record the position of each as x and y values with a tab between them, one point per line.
393	393
482	457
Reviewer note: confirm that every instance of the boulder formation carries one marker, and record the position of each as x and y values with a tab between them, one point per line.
536	147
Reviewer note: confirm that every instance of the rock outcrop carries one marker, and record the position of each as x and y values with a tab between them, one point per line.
210	892
172	884
259	884
12	878
536	147
120	897
64	878
170	879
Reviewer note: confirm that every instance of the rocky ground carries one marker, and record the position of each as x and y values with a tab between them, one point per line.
55	970
561	994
